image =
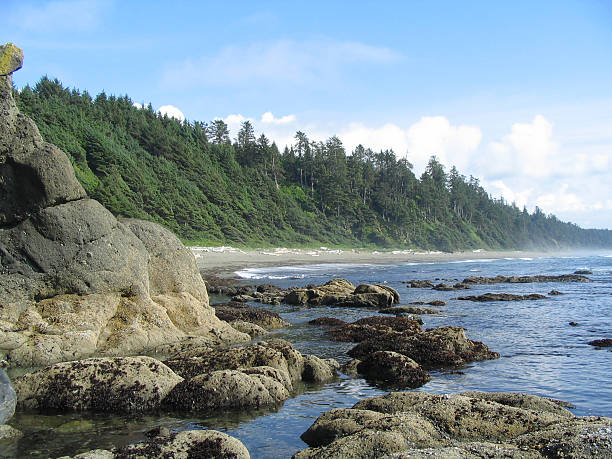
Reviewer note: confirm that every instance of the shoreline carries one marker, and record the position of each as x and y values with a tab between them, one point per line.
225	261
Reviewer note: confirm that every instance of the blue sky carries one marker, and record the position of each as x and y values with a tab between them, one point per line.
516	93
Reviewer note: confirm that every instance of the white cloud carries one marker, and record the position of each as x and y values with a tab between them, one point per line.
137	105
529	149
171	112
60	15
431	135
268	117
236	119
499	188
271	63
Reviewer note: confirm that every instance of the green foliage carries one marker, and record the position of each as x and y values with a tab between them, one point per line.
190	178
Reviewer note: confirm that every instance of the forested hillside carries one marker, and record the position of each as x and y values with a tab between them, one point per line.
192	178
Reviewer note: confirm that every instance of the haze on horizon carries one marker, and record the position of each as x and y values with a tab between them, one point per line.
517	94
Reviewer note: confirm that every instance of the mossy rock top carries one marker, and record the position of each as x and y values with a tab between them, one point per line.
11	58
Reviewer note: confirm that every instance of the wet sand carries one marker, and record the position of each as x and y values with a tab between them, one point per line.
225	261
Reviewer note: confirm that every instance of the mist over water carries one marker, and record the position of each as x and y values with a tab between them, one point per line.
540	352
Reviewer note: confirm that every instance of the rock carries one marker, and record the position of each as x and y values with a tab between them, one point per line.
229	389
573	324
393	369
11	59
93	454
576	277
418	424
502	297
398	310
186	444
273	353
555	292
606	342
446	288
122	384
253	330
318	370
326	294
420	284
434	348
9	433
236	311
74	281
372	327
437	303
583	271
327	321
8	398
378	288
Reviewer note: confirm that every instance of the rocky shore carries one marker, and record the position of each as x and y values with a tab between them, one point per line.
107	315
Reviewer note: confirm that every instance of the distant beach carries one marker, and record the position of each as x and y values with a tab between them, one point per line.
224	261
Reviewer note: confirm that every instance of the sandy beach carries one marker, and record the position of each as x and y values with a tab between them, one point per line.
225	261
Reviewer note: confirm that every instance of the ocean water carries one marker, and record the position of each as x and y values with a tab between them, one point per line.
540	353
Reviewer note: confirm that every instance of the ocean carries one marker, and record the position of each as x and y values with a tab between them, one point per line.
541	353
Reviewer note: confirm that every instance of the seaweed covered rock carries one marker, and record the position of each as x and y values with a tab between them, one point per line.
502	297
233	311
418	424
341	293
75	282
434	348
118	385
184	445
230	389
372	327
401	310
273	353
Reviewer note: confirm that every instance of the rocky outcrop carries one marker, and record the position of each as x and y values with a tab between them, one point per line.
342	293
418	424
502	297
400	310
233	311
75	282
434	348
480	280
372	327
117	385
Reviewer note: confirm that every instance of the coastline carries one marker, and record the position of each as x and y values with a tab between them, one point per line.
225	261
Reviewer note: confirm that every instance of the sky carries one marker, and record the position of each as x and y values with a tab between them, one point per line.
515	93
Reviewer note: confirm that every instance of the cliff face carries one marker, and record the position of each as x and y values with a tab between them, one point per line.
74	280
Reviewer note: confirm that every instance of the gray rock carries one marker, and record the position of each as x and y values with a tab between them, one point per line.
393	370
9	433
8	398
123	384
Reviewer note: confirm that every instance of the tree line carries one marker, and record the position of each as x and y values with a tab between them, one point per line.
210	189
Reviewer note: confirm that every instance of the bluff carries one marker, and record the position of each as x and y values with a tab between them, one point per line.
74	280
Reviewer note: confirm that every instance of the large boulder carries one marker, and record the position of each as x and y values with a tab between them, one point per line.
123	384
390	369
74	281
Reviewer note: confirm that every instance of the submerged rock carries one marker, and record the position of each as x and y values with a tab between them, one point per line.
418	424
117	385
327	321
606	342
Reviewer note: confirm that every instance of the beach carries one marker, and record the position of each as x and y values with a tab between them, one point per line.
225	261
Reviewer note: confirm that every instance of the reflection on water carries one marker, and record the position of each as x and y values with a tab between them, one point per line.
540	354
